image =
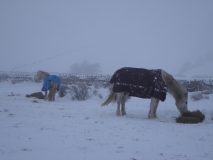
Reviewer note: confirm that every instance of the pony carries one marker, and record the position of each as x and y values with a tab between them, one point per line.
143	83
51	83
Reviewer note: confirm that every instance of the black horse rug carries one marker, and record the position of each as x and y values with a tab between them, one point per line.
139	82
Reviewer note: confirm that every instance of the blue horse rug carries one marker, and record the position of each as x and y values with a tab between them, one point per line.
47	82
139	82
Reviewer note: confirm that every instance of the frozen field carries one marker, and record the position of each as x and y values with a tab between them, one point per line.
33	129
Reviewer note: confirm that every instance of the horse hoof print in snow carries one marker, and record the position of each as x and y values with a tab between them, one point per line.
191	117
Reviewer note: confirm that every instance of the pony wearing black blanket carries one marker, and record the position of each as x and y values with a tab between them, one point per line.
143	83
51	83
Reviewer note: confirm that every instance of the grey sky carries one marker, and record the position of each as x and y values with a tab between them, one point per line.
52	35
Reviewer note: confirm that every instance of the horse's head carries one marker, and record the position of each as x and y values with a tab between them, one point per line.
182	103
40	75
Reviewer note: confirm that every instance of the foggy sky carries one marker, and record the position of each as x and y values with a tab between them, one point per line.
52	35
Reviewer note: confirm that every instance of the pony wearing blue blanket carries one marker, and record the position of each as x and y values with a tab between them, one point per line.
51	83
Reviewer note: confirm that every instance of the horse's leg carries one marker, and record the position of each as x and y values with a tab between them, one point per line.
54	95
153	108
55	90
118	113
119	97
124	98
52	91
45	96
123	110
56	87
50	94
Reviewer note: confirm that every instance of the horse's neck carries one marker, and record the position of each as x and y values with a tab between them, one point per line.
44	75
174	87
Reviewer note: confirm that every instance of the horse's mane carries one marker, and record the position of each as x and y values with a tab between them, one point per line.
45	73
174	87
42	74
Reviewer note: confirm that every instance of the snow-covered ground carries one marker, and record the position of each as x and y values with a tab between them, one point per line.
77	130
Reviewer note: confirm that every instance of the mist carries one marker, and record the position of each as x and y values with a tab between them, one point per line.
53	35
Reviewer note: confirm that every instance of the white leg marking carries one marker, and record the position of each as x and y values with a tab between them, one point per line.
124	98
121	99
153	108
118	113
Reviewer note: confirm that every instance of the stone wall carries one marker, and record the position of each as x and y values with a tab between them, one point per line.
190	85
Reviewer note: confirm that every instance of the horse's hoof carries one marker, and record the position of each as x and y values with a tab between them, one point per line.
118	114
123	114
152	117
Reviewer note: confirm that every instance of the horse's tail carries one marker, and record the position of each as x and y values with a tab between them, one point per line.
109	99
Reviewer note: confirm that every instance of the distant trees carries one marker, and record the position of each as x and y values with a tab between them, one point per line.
85	68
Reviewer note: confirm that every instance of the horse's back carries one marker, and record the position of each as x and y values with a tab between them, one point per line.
139	82
51	78
55	79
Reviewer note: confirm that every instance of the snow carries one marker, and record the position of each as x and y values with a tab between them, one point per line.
77	130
